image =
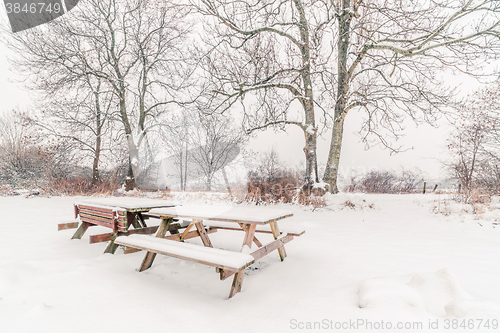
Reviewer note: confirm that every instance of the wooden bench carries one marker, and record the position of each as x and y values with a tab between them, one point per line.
117	214
227	261
205	220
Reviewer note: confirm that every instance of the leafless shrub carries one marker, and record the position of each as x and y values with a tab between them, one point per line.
386	182
29	159
349	204
473	146
79	186
279	188
271	182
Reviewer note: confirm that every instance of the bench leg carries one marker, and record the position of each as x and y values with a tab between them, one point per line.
150	256
111	248
81	230
237	282
276	234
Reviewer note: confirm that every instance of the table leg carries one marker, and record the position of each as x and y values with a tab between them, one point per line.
141	220
203	233
249	234
150	256
276	233
81	230
237	282
255	240
133	220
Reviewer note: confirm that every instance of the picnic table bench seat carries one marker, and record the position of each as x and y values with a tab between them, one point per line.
260	229
210	256
226	261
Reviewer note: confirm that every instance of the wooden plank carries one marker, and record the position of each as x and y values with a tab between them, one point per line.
100	238
102	216
276	233
293	233
97	209
249	235
189	235
261	252
129	250
111	248
108	236
257	242
85	216
268	248
187	229
150	256
121	226
81	230
97	222
203	233
192	255
225	273
237	283
108	216
140	218
68	225
132	220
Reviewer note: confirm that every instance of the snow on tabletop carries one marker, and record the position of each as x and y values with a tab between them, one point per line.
224	212
126	202
200	252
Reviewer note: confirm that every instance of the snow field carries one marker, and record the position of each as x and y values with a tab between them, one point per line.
384	258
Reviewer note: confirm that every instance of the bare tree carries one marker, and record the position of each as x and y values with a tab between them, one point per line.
268	55
177	139
473	144
217	144
270	167
26	156
133	48
388	52
82	115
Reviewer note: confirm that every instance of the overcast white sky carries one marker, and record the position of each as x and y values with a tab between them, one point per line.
428	143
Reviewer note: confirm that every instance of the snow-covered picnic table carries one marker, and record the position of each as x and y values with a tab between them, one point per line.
117	213
183	223
206	220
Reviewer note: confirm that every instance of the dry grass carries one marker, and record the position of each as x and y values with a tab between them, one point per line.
78	186
281	190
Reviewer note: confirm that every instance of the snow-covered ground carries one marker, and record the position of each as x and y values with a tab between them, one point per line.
366	263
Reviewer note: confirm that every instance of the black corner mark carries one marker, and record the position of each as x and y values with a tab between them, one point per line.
70	4
26	14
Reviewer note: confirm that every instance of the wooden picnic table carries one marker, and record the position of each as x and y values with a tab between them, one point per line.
208	219
116	213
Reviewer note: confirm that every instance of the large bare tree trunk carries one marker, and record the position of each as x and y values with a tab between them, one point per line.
95	167
98	141
332	165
